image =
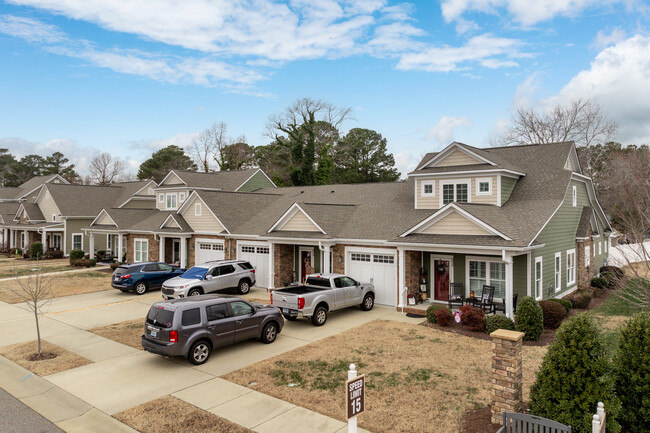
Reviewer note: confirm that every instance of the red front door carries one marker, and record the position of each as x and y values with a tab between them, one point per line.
306	265
441	279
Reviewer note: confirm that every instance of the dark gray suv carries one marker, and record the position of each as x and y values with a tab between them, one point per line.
196	325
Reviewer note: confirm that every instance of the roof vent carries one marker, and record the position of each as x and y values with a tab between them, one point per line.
332	191
302	192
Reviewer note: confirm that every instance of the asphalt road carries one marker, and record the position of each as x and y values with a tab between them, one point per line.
15	417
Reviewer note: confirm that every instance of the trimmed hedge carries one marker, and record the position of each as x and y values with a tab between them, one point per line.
564	302
529	319
580	299
85	263
494	322
36	250
599	283
76	255
53	254
553	313
614	270
632	364
574	376
444	317
431	312
473	317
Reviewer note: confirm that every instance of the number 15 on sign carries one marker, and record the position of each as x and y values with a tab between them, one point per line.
355	391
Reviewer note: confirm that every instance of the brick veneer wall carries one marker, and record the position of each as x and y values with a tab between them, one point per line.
283	263
130	244
585	274
412	265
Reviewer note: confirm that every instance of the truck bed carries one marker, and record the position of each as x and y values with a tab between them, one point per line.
300	290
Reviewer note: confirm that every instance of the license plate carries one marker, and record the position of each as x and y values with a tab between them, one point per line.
285	310
165	298
153	333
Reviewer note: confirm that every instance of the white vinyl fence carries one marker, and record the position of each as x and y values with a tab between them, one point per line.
621	255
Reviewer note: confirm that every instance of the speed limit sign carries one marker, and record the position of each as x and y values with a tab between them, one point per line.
355	392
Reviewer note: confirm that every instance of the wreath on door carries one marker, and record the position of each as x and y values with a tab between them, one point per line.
441	268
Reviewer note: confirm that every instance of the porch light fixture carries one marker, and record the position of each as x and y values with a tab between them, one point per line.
340	258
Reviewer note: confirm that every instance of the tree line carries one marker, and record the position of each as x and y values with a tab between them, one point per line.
14	172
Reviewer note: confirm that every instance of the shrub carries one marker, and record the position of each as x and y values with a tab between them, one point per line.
473	317
553	313
18	251
53	254
632	364
116	265
36	250
76	255
444	317
529	318
599	283
613	270
431	312
85	263
492	323
580	299
564	302
574	376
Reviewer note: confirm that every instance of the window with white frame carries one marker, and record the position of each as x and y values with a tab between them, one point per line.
181	197
77	241
455	191
161	198
428	188
587	256
575	196
600	248
570	267
56	242
490	272
171	201
483	186
141	250
22	239
558	271
197	209
606	243
539	280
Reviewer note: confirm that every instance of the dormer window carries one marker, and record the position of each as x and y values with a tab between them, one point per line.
483	186
161	198
428	188
181	197
171	201
457	191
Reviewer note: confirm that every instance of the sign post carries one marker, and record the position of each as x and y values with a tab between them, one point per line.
355	397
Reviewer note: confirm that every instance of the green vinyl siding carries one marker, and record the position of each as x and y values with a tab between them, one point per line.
559	235
519	275
75	226
257	181
507	185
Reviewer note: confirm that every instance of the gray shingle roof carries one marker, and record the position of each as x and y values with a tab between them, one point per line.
85	200
128	189
224	180
33	211
35	182
585	221
10	192
8	211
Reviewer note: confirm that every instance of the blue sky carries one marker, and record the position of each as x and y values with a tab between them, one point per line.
130	77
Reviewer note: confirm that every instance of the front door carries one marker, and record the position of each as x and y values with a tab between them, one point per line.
306	264
441	279
176	251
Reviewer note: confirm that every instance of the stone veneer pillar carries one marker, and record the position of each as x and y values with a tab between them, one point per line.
506	373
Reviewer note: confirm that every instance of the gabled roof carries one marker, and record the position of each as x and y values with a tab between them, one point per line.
587	220
133	189
35	182
32	210
230	180
175	221
9	192
8	211
84	200
291	214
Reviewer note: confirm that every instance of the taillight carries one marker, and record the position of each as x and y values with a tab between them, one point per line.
124	277
301	303
252	271
271	297
173	336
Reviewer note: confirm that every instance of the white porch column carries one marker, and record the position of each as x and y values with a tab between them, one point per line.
507	258
26	239
183	252
91	245
161	249
271	267
401	279
11	238
119	247
327	248
44	240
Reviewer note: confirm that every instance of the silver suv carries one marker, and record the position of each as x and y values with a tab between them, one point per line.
209	277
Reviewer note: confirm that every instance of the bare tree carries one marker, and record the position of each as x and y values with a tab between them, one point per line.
104	169
35	289
208	146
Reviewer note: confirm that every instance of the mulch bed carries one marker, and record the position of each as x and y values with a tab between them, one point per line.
480	420
547	336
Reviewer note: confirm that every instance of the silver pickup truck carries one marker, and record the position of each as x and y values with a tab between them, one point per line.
321	294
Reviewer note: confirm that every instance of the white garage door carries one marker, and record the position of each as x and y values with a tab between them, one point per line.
209	250
378	269
258	256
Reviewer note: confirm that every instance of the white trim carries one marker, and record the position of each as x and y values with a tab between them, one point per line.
161	197
591	192
557	271
167	219
415	192
169	174
185	205
504	171
293	209
98	217
571	282
82	240
588	256
480	180
181	196
168	195
455	145
539	260
54	218
446	211
499	190
432	281
146	250
574	196
145	186
251	176
455	182
566	292
487	260
529	259
431	183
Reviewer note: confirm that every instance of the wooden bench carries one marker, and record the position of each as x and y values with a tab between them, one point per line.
523	423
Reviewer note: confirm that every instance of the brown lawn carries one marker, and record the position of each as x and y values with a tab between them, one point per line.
64	360
418	379
62	285
128	332
642	269
172	415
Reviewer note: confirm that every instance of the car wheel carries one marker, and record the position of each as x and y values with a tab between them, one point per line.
269	333
368	302
290	318
320	316
140	288
194	292
199	352
244	287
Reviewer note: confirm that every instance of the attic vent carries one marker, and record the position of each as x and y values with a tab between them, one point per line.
332	191
302	192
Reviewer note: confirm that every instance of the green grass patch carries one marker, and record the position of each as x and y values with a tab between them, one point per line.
618	305
29	270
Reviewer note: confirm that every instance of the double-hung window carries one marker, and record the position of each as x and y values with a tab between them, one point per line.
539	277
77	241
458	192
570	267
492	273
558	271
171	201
141	250
588	256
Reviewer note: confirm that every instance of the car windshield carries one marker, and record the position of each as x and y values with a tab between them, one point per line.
195	272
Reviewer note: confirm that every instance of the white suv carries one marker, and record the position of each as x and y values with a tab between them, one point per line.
209	277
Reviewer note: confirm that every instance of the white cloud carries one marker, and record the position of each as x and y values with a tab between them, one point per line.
525	92
619	80
183	140
443	131
604	40
488	50
526	12
405	162
29	29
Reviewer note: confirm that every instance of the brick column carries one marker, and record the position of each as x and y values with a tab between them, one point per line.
506	373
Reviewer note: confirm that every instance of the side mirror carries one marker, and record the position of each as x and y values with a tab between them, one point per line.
208	277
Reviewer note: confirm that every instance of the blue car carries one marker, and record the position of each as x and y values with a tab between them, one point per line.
140	277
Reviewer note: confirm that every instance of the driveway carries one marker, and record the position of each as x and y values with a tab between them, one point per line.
122	377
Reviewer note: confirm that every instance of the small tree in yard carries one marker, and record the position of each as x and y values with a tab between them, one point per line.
574	376
36	291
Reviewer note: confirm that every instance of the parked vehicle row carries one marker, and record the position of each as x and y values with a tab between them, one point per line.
140	277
